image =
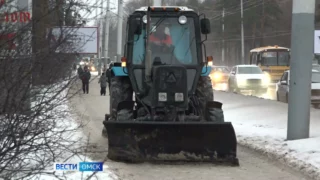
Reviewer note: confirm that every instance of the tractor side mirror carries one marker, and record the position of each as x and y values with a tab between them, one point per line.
205	26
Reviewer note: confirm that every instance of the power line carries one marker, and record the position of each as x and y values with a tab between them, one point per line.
250	37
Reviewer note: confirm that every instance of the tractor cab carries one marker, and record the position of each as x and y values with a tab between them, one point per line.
172	37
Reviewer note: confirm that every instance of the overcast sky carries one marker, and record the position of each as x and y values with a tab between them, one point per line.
113	8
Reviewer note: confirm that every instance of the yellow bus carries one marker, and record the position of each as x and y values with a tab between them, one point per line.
271	59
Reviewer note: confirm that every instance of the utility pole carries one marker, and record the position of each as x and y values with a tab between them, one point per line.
119	38
222	37
101	28
262	24
97	23
302	42
106	35
97	1
242	35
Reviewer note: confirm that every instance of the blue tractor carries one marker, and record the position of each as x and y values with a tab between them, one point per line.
161	98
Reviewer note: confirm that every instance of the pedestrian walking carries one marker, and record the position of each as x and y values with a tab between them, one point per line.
80	71
108	76
104	69
85	77
103	84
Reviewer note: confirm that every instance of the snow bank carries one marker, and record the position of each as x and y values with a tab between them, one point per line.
78	136
63	133
262	125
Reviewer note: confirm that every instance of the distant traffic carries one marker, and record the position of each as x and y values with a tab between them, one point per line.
267	75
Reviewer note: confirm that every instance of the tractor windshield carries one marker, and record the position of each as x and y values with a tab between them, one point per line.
170	42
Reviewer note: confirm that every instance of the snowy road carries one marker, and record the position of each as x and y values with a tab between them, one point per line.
92	107
271	94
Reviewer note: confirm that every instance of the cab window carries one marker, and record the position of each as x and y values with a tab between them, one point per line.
170	41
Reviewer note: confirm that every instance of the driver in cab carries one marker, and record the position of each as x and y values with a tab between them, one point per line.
160	40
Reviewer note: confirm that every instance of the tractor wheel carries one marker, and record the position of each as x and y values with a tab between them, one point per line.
204	89
120	90
204	94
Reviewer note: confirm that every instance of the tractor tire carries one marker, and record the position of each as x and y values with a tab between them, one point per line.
204	93
204	89
214	112
120	90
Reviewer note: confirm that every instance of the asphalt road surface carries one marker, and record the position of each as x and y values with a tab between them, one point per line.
253	166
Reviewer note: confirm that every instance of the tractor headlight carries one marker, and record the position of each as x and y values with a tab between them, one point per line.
241	81
178	97
182	19
144	19
162	97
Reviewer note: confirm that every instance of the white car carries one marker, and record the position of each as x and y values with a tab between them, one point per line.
248	77
282	88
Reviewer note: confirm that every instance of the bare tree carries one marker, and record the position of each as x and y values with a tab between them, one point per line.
36	127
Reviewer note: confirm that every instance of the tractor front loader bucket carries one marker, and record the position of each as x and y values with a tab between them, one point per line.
172	141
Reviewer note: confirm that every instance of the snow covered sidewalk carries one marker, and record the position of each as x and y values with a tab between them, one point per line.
75	153
262	125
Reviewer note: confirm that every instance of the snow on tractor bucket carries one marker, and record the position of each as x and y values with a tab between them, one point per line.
172	141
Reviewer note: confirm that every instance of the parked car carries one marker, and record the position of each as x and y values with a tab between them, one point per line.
248	77
219	74
282	88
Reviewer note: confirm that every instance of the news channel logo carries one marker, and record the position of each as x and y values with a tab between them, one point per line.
81	166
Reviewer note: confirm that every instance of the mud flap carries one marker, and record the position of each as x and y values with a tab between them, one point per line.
172	141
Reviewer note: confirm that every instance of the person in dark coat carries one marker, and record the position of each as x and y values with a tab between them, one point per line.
104	69
103	84
80	71
85	77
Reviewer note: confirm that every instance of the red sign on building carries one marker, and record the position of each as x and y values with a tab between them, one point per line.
22	17
2	2
19	16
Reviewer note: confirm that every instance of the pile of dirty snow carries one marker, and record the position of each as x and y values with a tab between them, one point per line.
262	125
